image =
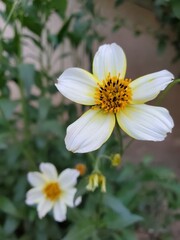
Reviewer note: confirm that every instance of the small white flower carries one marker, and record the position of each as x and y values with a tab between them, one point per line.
114	98
51	191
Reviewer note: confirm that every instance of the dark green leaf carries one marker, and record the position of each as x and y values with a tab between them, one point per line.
44	106
8	207
176	8
27	75
7	106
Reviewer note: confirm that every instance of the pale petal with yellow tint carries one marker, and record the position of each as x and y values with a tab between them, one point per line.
68	197
60	211
34	196
90	131
77	85
44	207
149	86
49	171
36	179
109	59
144	122
68	178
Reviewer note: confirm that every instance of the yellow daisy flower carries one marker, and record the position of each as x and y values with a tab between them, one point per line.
113	97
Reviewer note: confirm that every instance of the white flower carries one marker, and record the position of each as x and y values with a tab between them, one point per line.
51	191
113	97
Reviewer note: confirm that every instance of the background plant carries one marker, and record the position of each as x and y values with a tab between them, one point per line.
32	130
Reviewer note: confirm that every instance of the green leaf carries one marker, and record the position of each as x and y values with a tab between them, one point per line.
129	235
7	106
59	6
8	207
81	188
33	24
64	30
51	126
176	8
80	232
122	216
27	74
44	106
10	225
118	2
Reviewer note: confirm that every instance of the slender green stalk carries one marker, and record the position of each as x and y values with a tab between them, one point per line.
9	17
120	139
28	151
128	144
6	24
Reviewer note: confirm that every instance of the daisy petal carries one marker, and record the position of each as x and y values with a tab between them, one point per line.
36	179
68	178
68	197
49	171
110	58
77	85
77	201
44	207
148	87
59	211
145	122
90	131
34	196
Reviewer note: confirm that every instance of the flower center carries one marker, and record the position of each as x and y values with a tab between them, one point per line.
52	191
113	94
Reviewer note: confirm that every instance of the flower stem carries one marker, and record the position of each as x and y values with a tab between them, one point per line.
28	151
120	139
9	17
6	24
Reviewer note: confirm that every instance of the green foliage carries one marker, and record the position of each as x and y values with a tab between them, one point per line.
32	130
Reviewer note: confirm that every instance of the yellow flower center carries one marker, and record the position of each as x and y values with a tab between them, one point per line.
113	94
52	191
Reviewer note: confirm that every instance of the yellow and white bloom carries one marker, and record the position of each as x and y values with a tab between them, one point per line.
51	191
113	97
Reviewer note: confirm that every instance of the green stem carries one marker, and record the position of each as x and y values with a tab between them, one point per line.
96	165
8	125
129	143
6	24
27	149
96	162
9	17
120	139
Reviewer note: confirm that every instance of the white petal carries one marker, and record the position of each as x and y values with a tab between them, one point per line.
90	131
44	207
77	85
78	201
59	211
68	178
49	171
145	122
36	179
68	197
34	196
148	87
110	58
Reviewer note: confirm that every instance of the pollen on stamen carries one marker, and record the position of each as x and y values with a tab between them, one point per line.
52	191
113	94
